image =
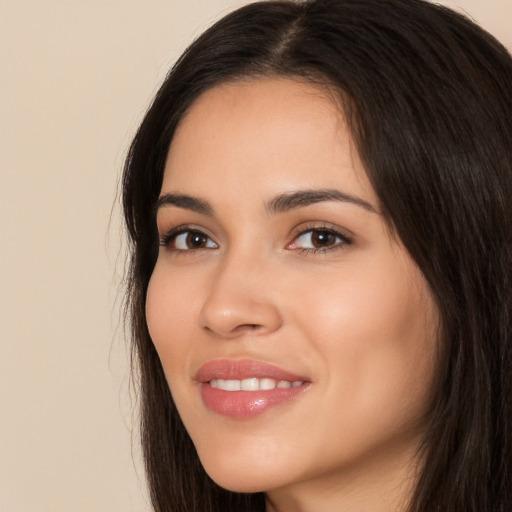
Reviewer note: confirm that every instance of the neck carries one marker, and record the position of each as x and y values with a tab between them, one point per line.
379	486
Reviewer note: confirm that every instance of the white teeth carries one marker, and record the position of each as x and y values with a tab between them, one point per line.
232	385
253	384
267	384
250	384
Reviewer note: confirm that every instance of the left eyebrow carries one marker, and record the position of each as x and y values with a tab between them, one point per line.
186	202
302	198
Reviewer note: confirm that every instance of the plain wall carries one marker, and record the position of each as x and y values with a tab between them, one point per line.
75	79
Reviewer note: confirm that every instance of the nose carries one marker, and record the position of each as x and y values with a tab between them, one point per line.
240	301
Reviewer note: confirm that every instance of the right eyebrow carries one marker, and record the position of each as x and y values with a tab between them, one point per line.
183	201
303	198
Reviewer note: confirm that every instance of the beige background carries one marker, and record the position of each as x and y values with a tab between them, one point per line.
75	78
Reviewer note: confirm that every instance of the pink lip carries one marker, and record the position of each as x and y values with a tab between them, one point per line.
245	404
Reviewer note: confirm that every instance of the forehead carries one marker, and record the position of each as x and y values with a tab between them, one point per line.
279	133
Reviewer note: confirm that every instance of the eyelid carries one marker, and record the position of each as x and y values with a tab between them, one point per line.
345	236
174	232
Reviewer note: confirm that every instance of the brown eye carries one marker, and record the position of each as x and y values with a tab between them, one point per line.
187	240
320	239
323	239
196	240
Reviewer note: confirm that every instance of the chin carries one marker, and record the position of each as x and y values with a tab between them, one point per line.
243	476
240	480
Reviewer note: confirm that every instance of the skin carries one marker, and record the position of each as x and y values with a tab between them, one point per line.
351	311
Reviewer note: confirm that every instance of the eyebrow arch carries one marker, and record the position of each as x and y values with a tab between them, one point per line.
183	201
279	204
302	198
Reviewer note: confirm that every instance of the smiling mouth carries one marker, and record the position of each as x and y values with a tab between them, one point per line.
243	389
253	384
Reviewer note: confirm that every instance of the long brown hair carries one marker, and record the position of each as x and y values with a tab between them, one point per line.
428	97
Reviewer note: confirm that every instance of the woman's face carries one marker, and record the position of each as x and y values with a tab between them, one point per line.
296	334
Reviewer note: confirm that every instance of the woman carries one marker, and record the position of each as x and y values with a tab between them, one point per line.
319	204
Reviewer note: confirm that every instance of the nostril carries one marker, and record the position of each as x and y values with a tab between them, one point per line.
248	327
237	316
238	330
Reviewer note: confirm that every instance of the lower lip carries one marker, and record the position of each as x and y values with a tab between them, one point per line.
247	404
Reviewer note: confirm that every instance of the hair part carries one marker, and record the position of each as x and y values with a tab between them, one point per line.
426	93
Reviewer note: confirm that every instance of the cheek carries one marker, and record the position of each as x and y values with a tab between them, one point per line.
169	315
375	333
364	308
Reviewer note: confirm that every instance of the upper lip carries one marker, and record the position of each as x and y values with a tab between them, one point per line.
243	369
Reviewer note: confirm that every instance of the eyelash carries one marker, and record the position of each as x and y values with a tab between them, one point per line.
324	228
174	233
